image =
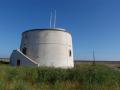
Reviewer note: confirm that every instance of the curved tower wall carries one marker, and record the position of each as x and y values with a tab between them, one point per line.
48	47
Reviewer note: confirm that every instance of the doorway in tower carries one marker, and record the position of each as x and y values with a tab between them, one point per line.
24	50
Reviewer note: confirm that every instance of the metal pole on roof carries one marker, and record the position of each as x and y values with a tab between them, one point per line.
54	19
51	19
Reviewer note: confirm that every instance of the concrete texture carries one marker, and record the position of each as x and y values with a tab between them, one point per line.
24	60
48	47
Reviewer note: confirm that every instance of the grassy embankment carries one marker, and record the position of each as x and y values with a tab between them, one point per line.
82	77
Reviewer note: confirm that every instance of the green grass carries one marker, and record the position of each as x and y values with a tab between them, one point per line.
82	77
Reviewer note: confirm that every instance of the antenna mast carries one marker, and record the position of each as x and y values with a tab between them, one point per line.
93	57
55	19
50	19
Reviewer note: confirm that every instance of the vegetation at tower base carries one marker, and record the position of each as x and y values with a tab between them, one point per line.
82	77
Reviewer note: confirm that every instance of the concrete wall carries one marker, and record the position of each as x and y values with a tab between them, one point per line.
24	60
49	47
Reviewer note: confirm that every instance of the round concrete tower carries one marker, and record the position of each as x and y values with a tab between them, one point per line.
48	47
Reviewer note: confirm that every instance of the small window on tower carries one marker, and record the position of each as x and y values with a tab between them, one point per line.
24	50
69	52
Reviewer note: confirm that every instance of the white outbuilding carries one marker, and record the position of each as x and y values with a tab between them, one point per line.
44	47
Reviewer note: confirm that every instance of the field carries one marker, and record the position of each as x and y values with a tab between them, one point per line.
82	77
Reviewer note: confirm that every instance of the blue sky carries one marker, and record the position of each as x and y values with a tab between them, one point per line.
94	24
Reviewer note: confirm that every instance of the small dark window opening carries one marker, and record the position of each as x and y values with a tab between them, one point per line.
24	50
69	52
18	62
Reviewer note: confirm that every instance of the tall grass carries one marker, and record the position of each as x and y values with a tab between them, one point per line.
81	77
